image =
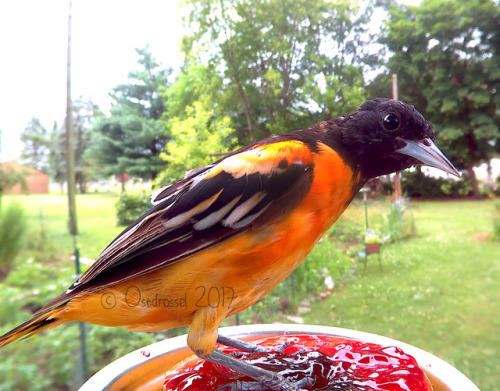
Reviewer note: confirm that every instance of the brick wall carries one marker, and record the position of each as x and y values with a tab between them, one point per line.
37	181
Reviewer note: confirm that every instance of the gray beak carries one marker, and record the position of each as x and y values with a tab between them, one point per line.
426	152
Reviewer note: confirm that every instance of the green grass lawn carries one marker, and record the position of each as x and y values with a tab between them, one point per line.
439	291
48	213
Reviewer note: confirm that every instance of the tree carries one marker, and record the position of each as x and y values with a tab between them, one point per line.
447	57
196	140
85	114
279	59
8	179
36	145
194	83
107	140
127	143
131	139
142	94
57	155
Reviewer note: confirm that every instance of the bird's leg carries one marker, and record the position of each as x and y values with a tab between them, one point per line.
202	339
269	379
241	345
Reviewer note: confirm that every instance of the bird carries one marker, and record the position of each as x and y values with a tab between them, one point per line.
221	238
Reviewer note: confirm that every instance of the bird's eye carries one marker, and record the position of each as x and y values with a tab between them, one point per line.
391	121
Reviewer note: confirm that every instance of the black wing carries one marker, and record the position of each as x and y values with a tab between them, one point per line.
243	191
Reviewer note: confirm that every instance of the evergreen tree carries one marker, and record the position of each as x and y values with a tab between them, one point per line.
131	139
35	152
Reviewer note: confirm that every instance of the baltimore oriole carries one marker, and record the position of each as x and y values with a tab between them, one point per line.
226	234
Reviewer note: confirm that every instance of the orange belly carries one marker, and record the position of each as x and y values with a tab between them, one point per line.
229	277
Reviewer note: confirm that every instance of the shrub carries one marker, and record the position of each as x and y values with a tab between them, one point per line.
131	205
48	361
323	261
52	354
398	224
416	184
346	230
391	226
12	227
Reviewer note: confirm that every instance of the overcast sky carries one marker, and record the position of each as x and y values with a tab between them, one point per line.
33	44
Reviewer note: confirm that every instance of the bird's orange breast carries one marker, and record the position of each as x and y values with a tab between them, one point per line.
231	276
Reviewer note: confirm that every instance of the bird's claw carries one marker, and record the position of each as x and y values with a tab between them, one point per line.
241	345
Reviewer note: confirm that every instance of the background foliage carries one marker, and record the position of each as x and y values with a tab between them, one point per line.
255	68
12	227
252	69
197	140
131	205
447	57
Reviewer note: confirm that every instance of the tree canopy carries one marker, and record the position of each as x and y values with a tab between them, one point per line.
283	63
197	140
447	57
260	67
142	94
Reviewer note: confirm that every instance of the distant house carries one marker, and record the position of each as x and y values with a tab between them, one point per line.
37	182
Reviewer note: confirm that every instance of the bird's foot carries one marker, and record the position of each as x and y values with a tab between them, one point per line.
266	379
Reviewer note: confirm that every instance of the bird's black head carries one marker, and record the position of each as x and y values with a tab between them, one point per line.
386	135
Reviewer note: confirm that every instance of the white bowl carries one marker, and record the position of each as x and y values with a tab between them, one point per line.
144	369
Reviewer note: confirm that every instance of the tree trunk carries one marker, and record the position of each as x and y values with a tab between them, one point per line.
471	148
228	54
82	186
244	103
473	179
229	57
286	87
122	182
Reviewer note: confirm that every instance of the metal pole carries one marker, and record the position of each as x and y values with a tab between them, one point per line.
366	209
397	176
70	142
83	367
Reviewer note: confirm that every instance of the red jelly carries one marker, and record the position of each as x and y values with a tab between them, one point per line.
330	364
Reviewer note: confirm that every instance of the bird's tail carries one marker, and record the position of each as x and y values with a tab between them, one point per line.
42	321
